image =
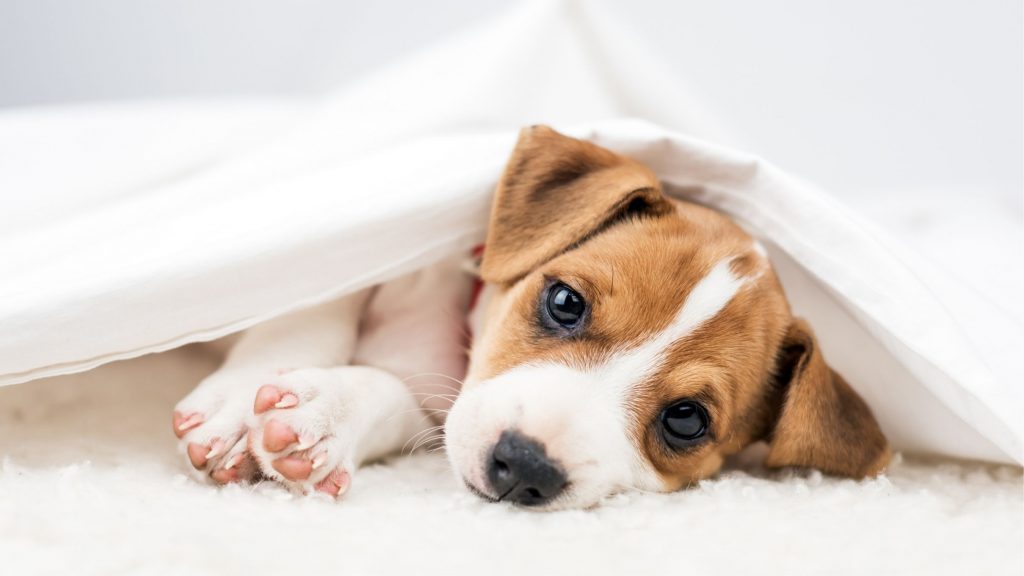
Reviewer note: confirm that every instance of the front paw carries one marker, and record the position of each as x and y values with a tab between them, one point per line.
302	437
212	425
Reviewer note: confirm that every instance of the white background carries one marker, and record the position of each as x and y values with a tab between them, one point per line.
911	111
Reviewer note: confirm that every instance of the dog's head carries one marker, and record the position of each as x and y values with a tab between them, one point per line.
628	340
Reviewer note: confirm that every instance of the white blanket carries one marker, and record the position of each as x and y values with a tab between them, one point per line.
112	248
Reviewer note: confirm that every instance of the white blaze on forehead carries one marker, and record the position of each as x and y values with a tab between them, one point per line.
707	298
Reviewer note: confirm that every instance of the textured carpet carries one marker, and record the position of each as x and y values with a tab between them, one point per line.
90	484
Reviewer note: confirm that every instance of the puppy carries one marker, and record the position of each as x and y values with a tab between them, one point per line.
621	339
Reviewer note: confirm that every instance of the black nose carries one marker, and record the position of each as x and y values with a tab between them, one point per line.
520	471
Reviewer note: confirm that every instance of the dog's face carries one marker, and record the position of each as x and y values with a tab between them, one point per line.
626	340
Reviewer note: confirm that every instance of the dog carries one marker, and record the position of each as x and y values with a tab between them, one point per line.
619	339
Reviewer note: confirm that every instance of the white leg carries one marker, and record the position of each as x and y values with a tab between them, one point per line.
214	419
415	328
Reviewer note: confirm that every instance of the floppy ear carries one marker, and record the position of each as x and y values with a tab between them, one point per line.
554	193
821	422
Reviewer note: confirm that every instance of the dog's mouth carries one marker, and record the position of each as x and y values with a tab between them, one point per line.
477	491
473	489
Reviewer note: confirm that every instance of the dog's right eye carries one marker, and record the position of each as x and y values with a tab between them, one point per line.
564	306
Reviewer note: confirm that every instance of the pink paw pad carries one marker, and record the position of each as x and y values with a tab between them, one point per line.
270	396
199	454
182	423
335	484
237	467
278	436
293	467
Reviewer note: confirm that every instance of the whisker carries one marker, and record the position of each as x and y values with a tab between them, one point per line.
404	452
422	442
439	375
426	431
427	413
426	397
430	394
407	411
426	441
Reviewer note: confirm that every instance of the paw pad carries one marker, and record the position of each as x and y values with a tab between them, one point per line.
183	423
270	396
335	484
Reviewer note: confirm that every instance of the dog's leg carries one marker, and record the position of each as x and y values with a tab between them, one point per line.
317	425
214	420
415	328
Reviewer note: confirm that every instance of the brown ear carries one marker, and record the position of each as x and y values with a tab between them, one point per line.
555	192
821	423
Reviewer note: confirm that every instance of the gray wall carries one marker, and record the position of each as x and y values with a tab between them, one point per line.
862	95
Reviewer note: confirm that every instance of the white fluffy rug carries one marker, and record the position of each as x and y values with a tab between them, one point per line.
90	484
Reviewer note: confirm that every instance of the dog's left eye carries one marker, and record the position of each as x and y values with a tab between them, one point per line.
564	305
684	423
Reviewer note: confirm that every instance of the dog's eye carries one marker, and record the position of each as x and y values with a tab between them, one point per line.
683	423
564	305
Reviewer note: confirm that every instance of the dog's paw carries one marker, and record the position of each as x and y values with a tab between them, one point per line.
304	435
212	425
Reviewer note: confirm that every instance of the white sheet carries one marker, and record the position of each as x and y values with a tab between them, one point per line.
137	258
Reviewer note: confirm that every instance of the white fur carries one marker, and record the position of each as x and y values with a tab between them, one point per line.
579	414
705	300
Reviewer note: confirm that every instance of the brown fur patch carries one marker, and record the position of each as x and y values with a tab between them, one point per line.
554	193
822	423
